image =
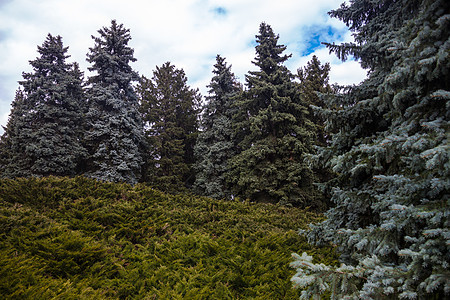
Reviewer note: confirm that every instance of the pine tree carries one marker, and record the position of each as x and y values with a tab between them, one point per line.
10	165
170	113
314	79
115	137
274	131
43	134
314	87
215	144
391	153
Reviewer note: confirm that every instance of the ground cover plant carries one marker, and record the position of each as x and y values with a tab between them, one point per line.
64	238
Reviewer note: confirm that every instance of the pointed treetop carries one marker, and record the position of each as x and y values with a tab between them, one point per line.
223	81
268	52
315	74
111	54
221	67
115	38
53	56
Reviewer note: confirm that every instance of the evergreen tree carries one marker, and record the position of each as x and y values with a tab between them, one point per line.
314	81
44	131
274	131
170	112
114	136
9	149
313	87
215	144
391	153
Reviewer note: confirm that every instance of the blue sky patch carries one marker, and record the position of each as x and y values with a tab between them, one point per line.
3	35
318	35
220	11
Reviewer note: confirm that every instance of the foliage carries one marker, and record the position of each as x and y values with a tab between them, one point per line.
43	134
390	151
72	238
114	135
273	132
314	87
314	79
215	144
170	111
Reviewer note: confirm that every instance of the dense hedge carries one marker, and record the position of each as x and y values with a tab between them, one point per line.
79	238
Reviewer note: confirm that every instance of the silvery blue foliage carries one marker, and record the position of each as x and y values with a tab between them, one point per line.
114	134
390	152
44	131
215	144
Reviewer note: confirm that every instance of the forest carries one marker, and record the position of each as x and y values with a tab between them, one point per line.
122	185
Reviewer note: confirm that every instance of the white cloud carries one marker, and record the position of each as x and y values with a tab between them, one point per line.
4	118
343	73
188	33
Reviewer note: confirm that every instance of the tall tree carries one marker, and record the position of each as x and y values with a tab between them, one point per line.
314	79
314	87
272	123
215	144
44	131
170	112
114	136
391	153
10	147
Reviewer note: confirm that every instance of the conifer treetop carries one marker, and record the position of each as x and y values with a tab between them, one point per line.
53	56
268	51
111	56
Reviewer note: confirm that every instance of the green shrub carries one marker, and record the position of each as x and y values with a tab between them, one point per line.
79	238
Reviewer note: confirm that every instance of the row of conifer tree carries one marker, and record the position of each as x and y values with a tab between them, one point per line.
117	126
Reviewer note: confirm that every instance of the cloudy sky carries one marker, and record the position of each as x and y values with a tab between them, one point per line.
188	33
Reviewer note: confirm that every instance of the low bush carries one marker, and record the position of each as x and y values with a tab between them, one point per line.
79	238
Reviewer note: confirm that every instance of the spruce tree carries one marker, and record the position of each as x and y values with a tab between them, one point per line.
170	112
390	151
273	130
114	135
314	79
215	144
44	131
10	148
313	87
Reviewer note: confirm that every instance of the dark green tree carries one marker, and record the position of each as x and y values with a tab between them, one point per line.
273	130
215	144
313	88
170	111
390	151
44	132
314	79
114	135
9	149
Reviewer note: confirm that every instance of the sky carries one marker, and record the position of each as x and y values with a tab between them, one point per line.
187	33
